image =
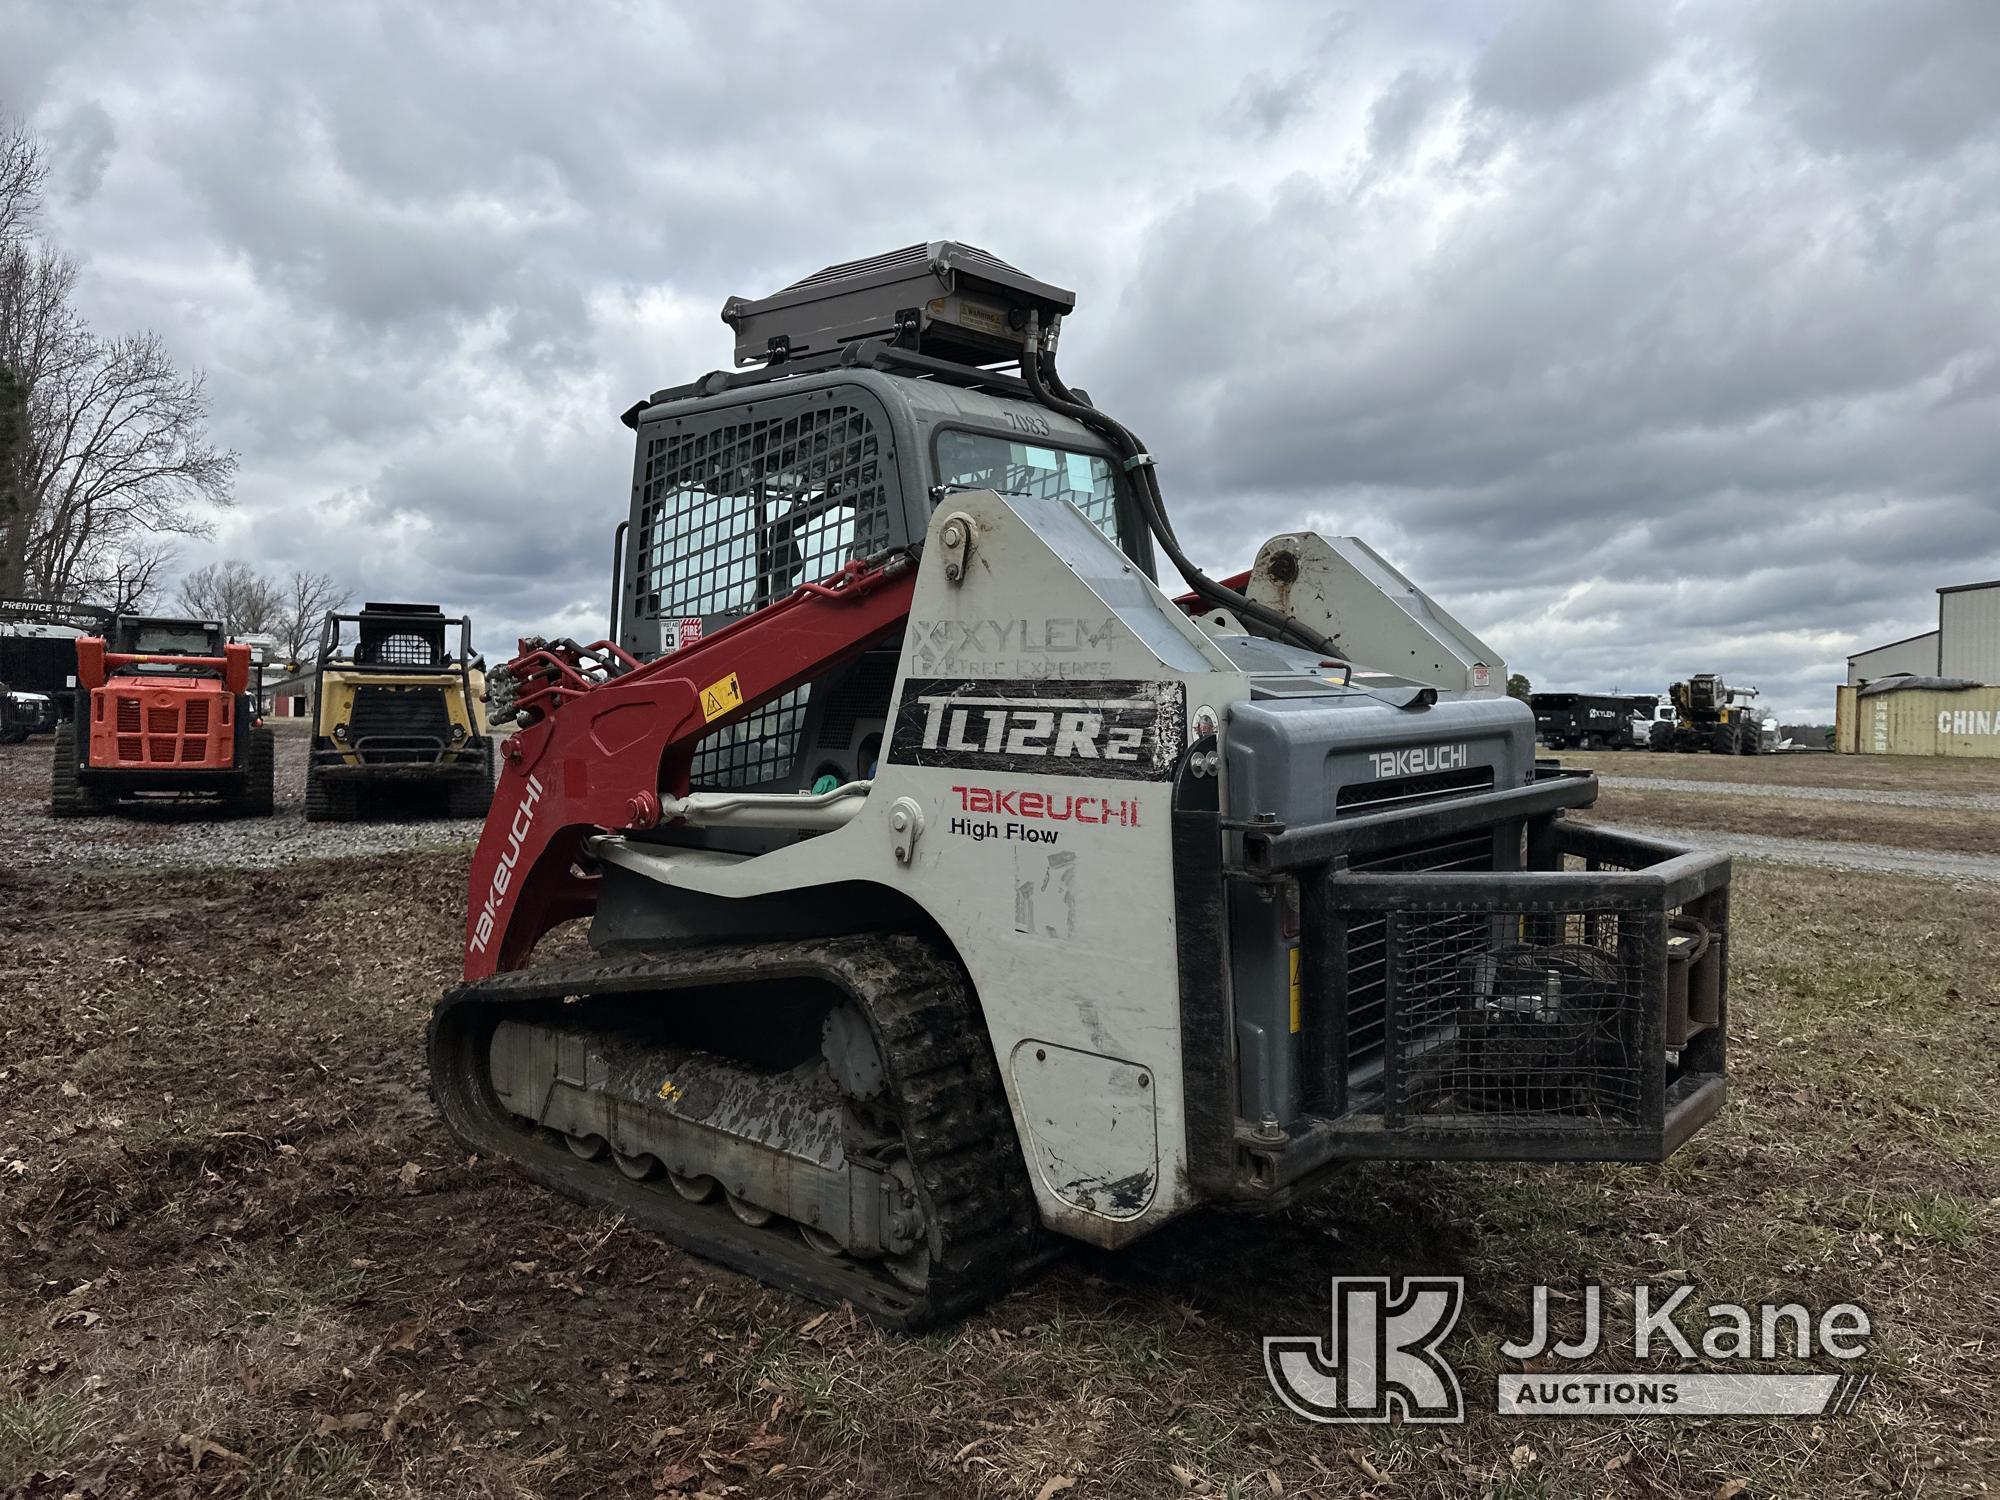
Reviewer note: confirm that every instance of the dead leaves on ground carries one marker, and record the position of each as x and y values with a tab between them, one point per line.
401	1414
200	1449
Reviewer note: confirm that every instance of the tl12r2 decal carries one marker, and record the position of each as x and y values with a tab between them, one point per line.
1118	730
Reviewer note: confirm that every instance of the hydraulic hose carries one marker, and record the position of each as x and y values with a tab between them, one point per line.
1038	369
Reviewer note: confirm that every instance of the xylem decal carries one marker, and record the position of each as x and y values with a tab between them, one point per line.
503	873
1112	730
1420	759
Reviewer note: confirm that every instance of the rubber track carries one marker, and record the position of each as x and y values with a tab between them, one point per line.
942	1081
68	797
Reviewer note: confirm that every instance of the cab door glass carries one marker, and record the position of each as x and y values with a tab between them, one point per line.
984	461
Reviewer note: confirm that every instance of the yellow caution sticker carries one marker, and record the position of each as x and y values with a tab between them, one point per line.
719	698
670	1091
1295	992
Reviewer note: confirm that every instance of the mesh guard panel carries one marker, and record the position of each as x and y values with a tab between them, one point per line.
1528	1016
739	515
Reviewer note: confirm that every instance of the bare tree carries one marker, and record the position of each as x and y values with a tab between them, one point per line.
307	600
103	443
124	457
244	600
33	288
21	175
132	581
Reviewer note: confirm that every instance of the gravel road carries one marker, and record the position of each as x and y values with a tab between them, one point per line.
1974	801
1829	854
179	835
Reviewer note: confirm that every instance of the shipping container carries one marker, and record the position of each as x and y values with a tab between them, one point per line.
1918	721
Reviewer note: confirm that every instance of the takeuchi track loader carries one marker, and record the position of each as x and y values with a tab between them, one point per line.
951	887
164	709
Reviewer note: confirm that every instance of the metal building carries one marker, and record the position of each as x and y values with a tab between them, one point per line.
1969	631
1915	655
1931	694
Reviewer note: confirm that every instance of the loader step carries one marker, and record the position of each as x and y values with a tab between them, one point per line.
940	1096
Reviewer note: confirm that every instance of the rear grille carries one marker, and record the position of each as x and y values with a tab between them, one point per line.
399	726
131	723
1407	791
170	734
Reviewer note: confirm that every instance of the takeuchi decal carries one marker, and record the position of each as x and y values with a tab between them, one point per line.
503	872
1053	807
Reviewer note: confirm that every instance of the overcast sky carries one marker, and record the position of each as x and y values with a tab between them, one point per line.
1650	338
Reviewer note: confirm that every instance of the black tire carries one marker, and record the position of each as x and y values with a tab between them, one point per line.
68	796
1725	742
1660	737
15	736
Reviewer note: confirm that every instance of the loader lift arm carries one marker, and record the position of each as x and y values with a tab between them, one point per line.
603	735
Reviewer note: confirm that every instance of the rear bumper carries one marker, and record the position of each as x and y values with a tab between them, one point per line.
468	769
1571	1009
403	758
161	779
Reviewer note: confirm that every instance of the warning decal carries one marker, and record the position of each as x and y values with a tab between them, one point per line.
719	698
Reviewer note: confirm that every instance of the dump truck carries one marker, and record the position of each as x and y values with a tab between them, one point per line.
38	657
953	890
1709	716
163	710
399	717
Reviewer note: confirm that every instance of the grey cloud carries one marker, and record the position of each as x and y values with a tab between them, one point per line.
1551	56
82	142
1016	71
1265	103
1702	293
1919	77
1400	112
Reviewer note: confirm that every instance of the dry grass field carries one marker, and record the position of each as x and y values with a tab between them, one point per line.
1960	830
239	1257
1893	773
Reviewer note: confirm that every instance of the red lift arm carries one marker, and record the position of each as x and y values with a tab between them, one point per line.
596	752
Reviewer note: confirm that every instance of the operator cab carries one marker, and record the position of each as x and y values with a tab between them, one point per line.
162	638
877	389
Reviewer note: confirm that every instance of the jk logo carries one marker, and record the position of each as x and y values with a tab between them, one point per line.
1380	1363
